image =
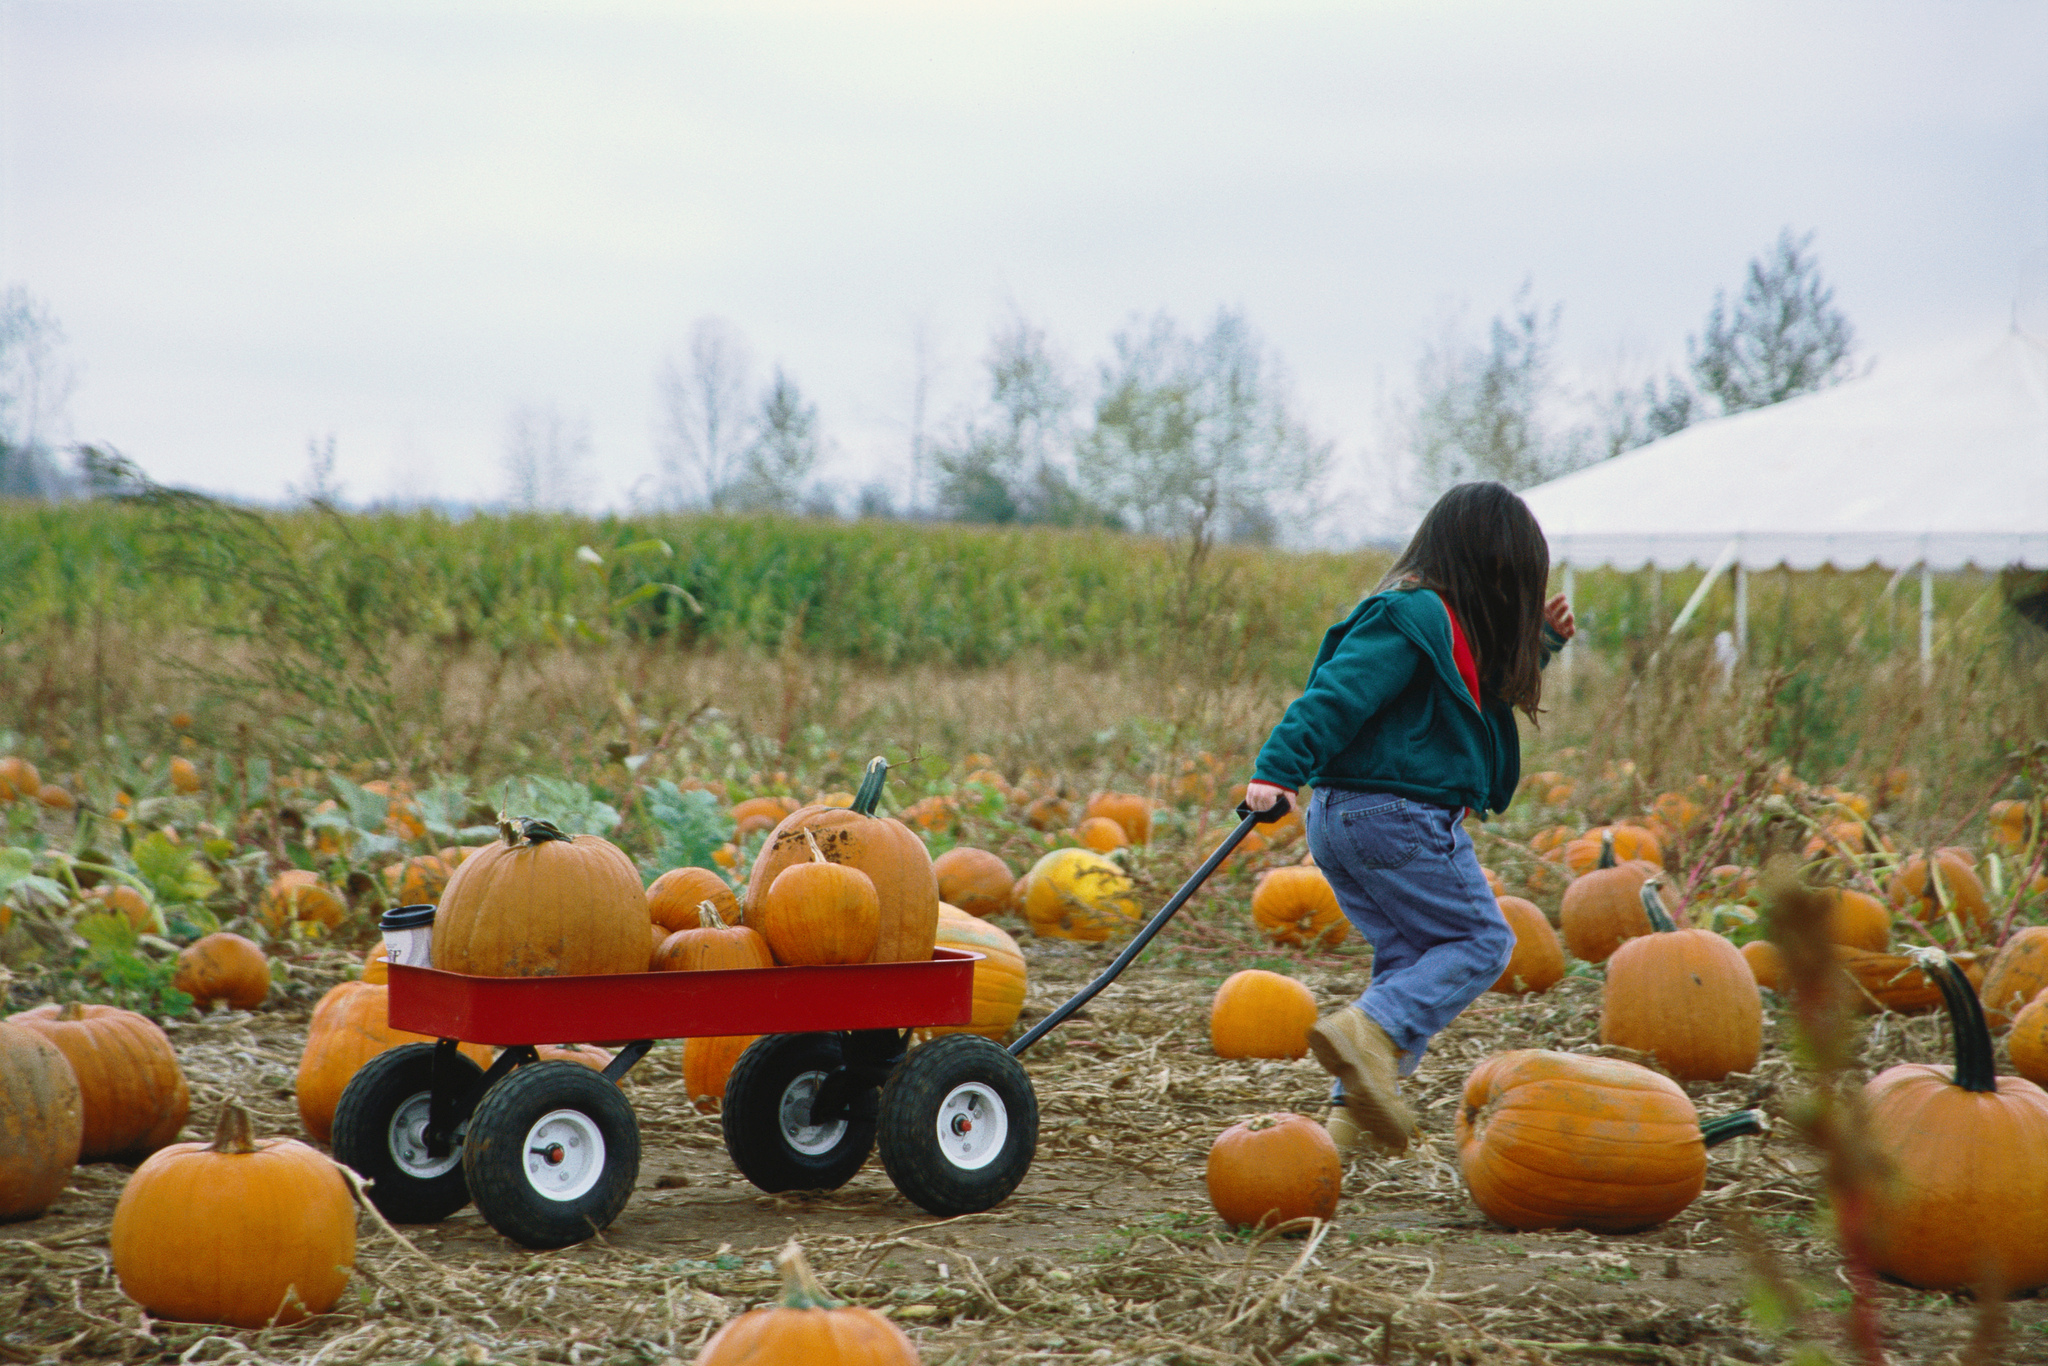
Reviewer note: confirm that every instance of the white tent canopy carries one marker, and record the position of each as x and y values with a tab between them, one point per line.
1942	468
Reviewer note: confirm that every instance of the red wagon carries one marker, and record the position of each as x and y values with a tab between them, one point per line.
550	1150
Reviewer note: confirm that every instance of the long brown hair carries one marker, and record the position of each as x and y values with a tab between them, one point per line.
1481	550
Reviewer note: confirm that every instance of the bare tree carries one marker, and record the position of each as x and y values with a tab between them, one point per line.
35	387
705	418
545	456
321	488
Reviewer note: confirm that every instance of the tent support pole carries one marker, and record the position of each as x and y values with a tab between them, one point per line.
1699	595
1571	583
1926	624
1741	612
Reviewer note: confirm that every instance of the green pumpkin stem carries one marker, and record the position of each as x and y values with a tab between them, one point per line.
531	829
1606	848
1653	905
869	797
800	1288
231	1134
1738	1125
1976	1067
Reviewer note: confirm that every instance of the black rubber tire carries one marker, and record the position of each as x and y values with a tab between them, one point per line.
365	1140
762	1146
946	1174
577	1105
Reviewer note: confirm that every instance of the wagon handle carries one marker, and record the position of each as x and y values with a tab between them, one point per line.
1152	927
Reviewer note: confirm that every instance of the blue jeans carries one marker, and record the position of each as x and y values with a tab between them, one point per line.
1407	878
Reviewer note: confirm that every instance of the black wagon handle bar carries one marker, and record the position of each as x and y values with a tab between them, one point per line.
1153	926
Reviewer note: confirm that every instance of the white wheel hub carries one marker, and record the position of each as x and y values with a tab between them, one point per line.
407	1139
794	1118
973	1126
564	1154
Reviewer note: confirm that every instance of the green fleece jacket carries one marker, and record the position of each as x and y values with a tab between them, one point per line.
1385	710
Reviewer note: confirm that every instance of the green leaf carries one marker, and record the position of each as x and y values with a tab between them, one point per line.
15	864
106	930
651	590
692	826
171	871
569	806
366	810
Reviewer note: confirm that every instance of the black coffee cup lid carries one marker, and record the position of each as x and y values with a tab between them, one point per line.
406	918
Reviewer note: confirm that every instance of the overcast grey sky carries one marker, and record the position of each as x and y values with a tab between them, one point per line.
261	223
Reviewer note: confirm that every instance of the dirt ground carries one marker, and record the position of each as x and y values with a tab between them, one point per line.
1108	1251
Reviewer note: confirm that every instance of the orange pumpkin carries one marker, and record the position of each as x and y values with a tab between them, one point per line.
1561	1140
820	912
809	1327
377	964
223	967
130	1087
673	898
129	904
1131	812
1962	1203
1273	1168
1538	960
1295	905
235	1231
298	896
1858	919
1766	963
707	1063
1879	982
975	880
999	976
2016	976
759	813
42	1122
419	880
935	814
1589	850
589	1054
1101	834
350	1025
888	852
1603	906
2028	1041
1048	813
1686	996
18	779
712	946
537	903
2013	824
1954	887
1260	1014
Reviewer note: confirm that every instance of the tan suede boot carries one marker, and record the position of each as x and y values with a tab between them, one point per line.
1352	1047
1349	1138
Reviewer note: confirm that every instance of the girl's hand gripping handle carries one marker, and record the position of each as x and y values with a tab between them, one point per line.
1263	797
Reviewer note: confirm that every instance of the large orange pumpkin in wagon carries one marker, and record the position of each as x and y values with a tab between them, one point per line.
891	855
538	903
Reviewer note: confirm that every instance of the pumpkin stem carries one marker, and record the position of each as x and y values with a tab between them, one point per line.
73	1010
870	794
817	854
1738	1125
1660	919
708	917
231	1134
529	828
1976	1068
1607	848
800	1287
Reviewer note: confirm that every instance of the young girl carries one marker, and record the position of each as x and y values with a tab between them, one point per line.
1406	722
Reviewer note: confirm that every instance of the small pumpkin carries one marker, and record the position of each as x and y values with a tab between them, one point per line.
185	779
1890	981
1562	1140
999	975
975	880
1952	887
1261	1014
19	779
1766	963
2014	824
1101	834
707	1063
808	1326
1603	906
1078	894
1963	1205
712	946
275	1242
1131	812
756	814
1295	905
888	852
56	798
1538	960
351	1024
223	967
419	880
673	898
537	903
42	1122
127	903
1858	919
819	912
131	1089
1048	813
2016	976
298	896
1273	1168
1590	850
1687	996
934	814
377	964
2028	1042
588	1054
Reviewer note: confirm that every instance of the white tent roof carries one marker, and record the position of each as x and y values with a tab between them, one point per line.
1949	466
